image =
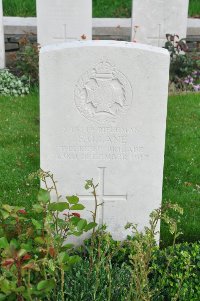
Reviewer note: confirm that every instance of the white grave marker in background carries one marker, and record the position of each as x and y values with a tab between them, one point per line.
63	20
103	116
156	18
2	46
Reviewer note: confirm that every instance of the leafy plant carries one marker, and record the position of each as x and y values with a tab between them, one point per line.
33	245
137	269
142	249
182	63
193	81
173	270
27	59
138	251
11	85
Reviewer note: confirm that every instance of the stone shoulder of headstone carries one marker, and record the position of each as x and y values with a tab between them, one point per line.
103	116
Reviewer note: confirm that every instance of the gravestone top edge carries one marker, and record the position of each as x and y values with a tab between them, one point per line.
103	43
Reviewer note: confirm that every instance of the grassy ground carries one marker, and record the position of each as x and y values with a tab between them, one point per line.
19	153
19	148
101	8
194	9
182	162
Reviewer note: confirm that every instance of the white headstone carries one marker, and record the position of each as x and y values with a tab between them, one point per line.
153	19
63	20
103	116
2	46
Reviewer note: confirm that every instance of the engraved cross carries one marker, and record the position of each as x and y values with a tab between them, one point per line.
159	37
102	197
65	37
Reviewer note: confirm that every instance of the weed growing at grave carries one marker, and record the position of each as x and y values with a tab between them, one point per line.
182	263
136	269
142	249
184	74
193	80
11	85
33	249
135	256
27	60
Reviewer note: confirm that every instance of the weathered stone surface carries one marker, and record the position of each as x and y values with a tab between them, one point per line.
156	18
2	48
62	20
103	115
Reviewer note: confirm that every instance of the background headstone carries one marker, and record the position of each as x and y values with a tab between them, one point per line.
62	20
156	18
103	116
2	46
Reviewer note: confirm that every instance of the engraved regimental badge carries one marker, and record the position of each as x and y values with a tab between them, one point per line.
103	94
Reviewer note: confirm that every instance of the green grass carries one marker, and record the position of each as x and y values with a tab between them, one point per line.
112	9
101	8
19	153
22	8
182	162
194	9
19	148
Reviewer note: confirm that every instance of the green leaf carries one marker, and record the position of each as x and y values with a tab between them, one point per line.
77	207
88	184
2	297
21	253
74	259
14	215
5	214
76	233
72	199
63	257
90	226
8	208
39	240
37	208
20	289
81	224
74	220
66	267
37	224
43	196
14	243
61	206
46	285
5	286
3	243
61	223
28	247
67	246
